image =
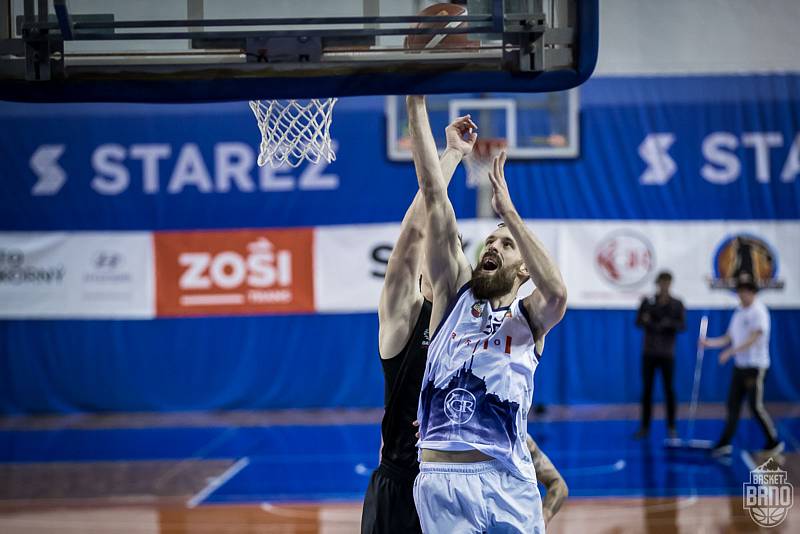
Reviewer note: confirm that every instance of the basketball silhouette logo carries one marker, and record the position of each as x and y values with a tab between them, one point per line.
768	517
745	254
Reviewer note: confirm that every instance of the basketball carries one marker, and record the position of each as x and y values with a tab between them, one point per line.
770	516
444	40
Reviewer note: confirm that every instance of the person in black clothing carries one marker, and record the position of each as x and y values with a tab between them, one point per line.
661	316
404	313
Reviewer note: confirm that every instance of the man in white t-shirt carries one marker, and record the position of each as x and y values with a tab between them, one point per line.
747	340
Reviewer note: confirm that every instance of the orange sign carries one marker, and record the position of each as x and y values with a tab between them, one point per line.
234	272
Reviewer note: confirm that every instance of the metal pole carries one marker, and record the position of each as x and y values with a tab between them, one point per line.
698	370
195	10
64	18
29	11
484	207
5	19
371	8
562	14
483	194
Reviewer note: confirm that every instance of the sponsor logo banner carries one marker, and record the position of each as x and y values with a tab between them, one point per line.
614	263
605	264
341	269
234	272
81	275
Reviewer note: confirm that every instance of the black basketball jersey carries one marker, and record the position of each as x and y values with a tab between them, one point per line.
402	383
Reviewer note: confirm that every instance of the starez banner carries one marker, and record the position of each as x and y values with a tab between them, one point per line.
234	272
76	275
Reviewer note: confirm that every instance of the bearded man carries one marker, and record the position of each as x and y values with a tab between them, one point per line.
476	472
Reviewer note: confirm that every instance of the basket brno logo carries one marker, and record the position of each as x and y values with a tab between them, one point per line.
768	496
234	272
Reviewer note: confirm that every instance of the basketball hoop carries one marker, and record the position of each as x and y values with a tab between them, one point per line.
293	131
479	162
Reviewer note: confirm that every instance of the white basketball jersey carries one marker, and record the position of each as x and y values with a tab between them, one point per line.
478	383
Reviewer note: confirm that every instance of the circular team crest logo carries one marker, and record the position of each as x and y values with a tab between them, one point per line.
459	406
769	495
745	254
625	258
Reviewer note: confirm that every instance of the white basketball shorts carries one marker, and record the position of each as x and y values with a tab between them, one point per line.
476	498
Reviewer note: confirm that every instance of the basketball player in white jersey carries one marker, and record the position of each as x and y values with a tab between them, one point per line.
476	473
404	315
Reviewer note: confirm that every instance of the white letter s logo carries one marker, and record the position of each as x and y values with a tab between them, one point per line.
51	177
654	150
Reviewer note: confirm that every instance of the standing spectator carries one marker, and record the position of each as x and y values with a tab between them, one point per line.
747	340
661	316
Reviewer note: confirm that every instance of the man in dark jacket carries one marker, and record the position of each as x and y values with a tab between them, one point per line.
661	316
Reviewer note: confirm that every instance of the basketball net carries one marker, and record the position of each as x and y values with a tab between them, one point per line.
293	131
479	163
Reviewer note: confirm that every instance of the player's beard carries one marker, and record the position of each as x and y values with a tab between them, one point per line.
487	286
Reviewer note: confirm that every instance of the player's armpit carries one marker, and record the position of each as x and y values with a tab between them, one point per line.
544	313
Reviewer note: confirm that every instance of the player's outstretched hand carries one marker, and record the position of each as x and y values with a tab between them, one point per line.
461	134
501	199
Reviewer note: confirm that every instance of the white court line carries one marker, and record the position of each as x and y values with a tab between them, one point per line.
619	465
748	460
199	455
212	486
287	511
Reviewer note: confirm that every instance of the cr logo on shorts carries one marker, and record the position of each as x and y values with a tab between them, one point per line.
459	406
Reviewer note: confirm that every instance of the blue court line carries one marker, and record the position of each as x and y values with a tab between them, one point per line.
784	431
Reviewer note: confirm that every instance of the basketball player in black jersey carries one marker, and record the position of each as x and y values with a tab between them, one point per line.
404	314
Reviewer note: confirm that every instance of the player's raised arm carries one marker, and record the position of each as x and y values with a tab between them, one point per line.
447	267
547	304
401	299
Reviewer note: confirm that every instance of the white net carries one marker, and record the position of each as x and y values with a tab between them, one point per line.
293	131
479	162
